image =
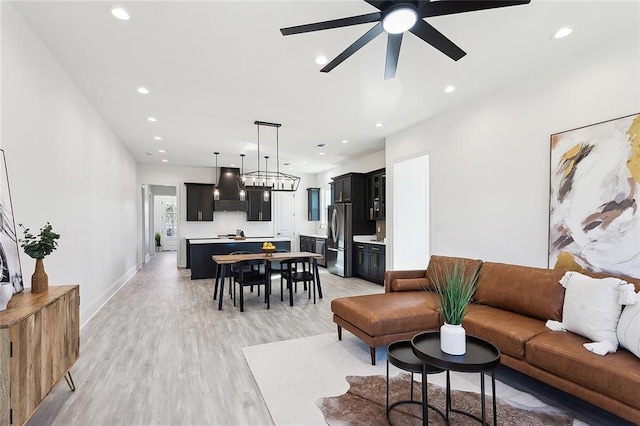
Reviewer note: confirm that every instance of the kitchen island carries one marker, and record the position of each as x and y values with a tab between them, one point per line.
200	250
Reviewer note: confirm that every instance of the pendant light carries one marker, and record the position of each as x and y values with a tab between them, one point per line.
243	194
274	181
265	193
216	191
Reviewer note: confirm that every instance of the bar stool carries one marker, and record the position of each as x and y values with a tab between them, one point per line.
401	355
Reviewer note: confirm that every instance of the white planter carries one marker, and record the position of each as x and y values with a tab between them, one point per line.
6	293
453	339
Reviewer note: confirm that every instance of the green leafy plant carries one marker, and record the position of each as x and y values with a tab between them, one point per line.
455	290
41	245
158	236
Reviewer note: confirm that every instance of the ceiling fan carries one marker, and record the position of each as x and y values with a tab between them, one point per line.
396	17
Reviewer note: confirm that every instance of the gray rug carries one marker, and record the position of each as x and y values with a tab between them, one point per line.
365	403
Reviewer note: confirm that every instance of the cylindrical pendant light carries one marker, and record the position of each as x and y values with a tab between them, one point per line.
216	191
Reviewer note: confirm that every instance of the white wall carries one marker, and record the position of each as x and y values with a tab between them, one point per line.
67	167
366	164
223	222
489	160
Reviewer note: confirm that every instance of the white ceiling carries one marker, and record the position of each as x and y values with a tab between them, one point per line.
214	67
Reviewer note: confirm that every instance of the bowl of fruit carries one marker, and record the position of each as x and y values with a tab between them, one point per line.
268	248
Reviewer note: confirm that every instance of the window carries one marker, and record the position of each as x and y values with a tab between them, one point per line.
170	218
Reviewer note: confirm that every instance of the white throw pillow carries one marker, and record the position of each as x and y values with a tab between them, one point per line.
629	329
591	308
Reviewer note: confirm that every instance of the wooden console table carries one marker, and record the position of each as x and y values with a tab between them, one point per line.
39	343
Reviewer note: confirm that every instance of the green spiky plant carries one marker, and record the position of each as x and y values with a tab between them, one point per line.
158	237
41	245
455	290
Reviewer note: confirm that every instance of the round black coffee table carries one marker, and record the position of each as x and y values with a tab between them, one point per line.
480	357
401	355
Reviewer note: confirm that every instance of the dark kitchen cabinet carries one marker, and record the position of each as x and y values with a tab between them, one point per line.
369	263
348	188
199	201
307	244
314	245
376	182
313	204
258	210
361	261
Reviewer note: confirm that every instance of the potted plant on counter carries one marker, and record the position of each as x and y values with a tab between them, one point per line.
455	288
37	247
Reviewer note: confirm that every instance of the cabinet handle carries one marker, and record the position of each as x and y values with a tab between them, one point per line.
375	249
371	213
340	195
199	214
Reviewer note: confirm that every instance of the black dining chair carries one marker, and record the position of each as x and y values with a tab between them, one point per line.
250	273
299	269
232	270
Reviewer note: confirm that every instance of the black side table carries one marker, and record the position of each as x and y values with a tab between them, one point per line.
481	357
401	355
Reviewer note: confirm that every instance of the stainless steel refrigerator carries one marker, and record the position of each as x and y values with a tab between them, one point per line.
340	240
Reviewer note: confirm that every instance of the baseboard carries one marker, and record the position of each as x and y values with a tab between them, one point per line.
97	304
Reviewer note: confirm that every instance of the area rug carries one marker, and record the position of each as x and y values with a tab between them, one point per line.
365	403
293	374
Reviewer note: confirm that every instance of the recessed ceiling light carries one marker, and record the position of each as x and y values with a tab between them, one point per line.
345	141
120	13
143	90
321	60
304	162
161	151
449	89
158	138
232	165
164	160
321	153
153	119
378	124
562	33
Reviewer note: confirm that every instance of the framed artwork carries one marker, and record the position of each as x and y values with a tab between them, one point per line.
10	268
594	223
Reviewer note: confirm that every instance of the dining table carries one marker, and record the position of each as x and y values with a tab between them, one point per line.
222	260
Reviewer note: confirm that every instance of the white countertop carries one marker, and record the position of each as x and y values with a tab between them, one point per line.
231	240
314	235
369	239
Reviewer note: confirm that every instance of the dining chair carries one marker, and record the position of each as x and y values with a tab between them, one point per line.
232	270
251	273
299	269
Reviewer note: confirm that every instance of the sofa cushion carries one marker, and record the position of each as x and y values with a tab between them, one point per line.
562	354
388	313
439	264
409	284
507	330
591	307
503	286
629	328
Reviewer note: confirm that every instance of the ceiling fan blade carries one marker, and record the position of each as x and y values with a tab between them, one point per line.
378	4
439	8
436	39
335	23
357	45
393	53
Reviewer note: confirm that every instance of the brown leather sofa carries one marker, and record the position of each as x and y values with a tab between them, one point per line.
511	305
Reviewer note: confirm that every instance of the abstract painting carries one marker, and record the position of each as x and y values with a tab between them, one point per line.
9	252
594	223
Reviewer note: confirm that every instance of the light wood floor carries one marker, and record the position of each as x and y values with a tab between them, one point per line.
160	353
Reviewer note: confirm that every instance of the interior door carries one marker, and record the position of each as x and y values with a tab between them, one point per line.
285	215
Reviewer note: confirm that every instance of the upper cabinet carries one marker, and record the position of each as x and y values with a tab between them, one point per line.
259	209
348	188
313	204
376	182
199	201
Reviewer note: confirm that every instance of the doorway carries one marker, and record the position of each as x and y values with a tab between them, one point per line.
162	216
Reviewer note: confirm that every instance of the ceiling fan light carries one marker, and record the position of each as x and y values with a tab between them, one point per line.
399	20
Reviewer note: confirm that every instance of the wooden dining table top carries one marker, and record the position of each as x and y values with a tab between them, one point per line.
276	256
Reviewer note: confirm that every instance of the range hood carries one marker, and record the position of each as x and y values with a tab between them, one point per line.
229	193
